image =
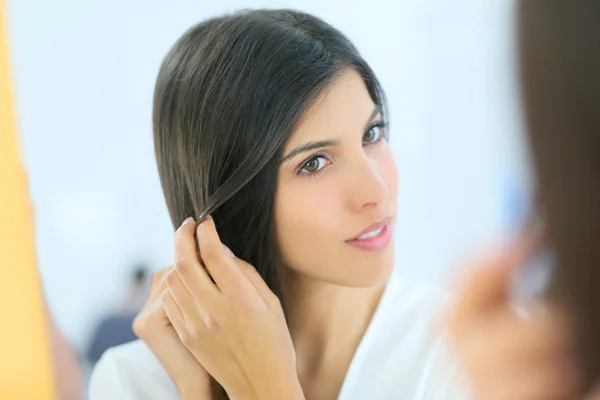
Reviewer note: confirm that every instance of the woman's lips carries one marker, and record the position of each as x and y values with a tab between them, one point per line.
376	239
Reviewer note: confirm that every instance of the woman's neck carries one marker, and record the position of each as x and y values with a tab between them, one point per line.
327	323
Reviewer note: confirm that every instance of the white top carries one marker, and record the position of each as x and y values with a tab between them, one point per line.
403	355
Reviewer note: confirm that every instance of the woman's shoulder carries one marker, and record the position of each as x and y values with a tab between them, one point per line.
130	371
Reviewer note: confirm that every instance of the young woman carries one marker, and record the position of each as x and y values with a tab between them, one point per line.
271	131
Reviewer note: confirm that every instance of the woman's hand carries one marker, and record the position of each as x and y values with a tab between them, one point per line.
235	326
505	355
152	325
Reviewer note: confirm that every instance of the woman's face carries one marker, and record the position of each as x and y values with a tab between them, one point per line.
335	204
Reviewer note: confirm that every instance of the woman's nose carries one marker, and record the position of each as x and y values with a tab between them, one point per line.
368	185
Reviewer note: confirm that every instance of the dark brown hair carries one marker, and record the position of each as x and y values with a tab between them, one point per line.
228	95
560	67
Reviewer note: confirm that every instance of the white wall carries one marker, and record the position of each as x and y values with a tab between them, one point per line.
84	75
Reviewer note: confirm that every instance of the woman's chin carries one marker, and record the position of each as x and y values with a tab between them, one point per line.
352	270
367	273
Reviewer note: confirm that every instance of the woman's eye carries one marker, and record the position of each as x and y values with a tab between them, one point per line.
373	134
313	165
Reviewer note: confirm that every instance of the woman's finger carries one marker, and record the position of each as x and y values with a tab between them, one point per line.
259	284
194	313
189	268
219	263
173	311
179	292
158	284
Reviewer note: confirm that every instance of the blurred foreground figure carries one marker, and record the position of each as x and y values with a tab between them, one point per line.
560	65
551	351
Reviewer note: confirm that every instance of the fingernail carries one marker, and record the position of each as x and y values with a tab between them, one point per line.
188	220
229	251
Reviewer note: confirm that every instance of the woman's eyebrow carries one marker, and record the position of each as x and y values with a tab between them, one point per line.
310	146
313	145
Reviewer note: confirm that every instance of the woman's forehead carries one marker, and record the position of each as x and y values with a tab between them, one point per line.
342	109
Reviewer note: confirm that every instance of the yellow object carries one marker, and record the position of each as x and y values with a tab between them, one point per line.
25	365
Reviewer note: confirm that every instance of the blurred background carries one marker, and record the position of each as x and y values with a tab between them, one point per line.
83	81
